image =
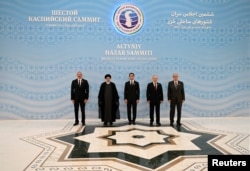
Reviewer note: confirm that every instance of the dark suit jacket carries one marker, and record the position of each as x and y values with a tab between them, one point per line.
155	96
79	92
132	92
176	94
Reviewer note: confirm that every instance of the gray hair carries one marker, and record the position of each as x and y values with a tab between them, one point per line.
175	74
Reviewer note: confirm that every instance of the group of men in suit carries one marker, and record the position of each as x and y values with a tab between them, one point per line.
154	95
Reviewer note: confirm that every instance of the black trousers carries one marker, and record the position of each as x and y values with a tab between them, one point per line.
175	104
132	105
156	107
82	106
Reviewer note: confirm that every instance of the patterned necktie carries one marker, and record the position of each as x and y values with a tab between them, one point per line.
175	84
79	82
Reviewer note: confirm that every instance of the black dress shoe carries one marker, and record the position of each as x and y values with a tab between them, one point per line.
76	123
171	124
111	123
105	124
133	122
83	123
179	124
158	124
151	124
129	123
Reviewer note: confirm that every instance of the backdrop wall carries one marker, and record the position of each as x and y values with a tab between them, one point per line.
43	44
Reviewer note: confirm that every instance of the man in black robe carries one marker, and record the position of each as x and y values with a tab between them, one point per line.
108	101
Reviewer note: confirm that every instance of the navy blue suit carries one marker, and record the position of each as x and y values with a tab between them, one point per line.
155	96
79	94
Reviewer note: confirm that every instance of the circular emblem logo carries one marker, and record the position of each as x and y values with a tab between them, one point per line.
128	19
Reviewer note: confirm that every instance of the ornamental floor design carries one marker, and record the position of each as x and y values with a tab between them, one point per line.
133	147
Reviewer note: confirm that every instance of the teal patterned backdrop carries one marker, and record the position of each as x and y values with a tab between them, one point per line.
206	41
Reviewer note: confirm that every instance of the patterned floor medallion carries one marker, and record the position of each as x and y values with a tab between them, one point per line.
133	147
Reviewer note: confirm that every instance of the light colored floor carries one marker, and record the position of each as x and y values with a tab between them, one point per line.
58	145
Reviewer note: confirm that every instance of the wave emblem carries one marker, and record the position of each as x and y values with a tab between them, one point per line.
128	19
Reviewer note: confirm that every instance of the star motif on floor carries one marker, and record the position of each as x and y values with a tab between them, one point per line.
138	137
185	147
152	145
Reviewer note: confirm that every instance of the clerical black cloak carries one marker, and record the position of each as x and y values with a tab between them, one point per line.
115	112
